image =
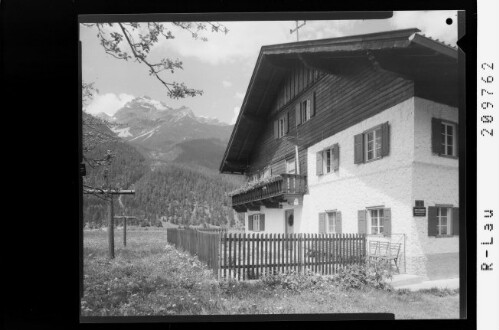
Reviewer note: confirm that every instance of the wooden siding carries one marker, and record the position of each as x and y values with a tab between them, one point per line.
342	101
295	83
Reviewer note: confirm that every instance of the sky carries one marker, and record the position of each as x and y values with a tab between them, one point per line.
223	65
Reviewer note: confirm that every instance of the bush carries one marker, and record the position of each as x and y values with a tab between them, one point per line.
371	274
294	281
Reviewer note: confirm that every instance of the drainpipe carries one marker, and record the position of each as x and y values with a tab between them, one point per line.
297	160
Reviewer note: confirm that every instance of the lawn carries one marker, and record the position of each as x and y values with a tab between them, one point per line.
149	277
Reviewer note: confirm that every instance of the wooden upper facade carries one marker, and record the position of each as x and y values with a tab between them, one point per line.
303	92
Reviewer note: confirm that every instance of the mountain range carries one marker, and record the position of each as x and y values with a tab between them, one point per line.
170	157
165	134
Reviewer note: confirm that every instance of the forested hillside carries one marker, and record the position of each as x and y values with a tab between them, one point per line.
184	195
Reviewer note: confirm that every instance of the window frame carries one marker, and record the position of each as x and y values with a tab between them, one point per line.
376	141
280	126
305	110
256	218
379	218
448	219
328	226
290	160
443	131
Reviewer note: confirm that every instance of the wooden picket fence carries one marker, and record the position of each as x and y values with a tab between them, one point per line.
249	256
204	245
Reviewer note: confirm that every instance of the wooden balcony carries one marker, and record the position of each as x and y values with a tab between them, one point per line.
283	188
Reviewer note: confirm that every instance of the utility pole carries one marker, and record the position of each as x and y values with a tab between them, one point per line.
291	31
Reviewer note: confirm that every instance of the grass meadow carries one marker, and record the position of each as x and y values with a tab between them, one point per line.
150	277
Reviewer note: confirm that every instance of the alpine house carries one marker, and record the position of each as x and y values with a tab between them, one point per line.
356	134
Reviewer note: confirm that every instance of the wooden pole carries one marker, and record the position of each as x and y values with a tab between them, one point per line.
110	228
124	231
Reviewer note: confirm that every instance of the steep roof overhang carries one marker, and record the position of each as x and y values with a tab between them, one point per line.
428	62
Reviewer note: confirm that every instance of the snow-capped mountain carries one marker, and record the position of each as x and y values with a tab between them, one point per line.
156	128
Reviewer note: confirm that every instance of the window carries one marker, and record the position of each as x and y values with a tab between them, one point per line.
372	144
444	137
305	110
256	222
291	166
328	160
330	222
331	225
376	218
444	221
448	132
281	126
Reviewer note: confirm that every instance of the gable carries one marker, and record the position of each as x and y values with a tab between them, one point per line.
429	65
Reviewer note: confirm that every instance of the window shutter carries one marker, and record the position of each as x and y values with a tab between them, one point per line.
276	136
385	139
362	222
336	157
436	136
432	221
455	221
358	149
262	222
322	223
286	123
318	164
387	222
250	222
338	222
313	105
456	138
297	114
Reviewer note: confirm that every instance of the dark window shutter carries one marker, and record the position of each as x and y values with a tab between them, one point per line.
385	139
262	222
455	221
297	114
250	222
436	136
318	165
387	222
456	138
313	110
322	223
338	223
276	130
358	148
432	221
362	221
336	157
286	123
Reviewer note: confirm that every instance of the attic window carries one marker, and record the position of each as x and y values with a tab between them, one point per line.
281	126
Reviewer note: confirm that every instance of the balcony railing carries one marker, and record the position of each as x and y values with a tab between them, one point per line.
279	189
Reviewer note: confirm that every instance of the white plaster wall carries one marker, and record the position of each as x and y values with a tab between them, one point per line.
436	178
274	219
385	182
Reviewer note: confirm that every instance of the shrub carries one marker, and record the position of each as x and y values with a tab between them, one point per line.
294	281
371	274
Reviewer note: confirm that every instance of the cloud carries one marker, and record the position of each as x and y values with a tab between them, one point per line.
239	95
108	103
226	83
242	43
431	23
236	113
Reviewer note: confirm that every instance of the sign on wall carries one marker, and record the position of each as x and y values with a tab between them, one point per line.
419	210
